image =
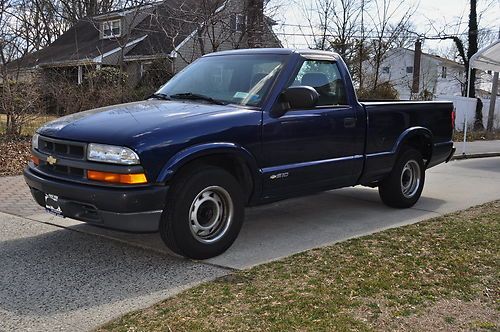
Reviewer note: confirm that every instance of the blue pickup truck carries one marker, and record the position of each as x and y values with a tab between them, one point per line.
233	129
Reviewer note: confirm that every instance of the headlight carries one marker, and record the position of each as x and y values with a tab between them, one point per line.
34	141
112	154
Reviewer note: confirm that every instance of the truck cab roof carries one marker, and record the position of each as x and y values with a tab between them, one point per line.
307	53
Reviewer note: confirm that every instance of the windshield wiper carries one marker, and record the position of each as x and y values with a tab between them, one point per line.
194	96
159	96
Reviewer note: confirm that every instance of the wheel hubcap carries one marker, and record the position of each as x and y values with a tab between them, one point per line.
211	214
410	178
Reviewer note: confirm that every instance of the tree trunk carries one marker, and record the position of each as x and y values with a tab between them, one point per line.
473	32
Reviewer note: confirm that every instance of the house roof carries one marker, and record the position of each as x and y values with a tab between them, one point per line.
164	32
152	29
80	42
444	60
436	57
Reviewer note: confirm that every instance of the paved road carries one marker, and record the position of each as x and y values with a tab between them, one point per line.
61	274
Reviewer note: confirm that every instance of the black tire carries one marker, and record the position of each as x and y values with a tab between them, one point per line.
221	193
392	190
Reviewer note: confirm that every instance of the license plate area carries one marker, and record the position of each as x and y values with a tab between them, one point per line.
52	204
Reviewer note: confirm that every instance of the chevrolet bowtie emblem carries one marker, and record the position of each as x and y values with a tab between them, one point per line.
51	160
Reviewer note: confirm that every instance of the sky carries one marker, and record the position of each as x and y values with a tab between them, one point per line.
441	12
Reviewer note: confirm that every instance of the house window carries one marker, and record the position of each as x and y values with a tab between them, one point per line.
409	70
386	70
111	29
443	72
238	22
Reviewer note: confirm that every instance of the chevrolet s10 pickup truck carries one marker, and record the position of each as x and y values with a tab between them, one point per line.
233	129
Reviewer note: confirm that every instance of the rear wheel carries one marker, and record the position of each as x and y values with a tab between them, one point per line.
203	214
404	185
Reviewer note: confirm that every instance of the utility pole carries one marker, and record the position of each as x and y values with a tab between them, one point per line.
415	88
493	99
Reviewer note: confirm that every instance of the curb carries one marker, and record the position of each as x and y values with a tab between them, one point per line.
476	155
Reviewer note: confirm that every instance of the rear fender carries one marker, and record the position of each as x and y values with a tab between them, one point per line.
411	133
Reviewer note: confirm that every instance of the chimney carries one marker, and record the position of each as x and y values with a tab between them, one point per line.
255	22
416	67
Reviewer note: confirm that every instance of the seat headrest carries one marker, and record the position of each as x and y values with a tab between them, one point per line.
315	80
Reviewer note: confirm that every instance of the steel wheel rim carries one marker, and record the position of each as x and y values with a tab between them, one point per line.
211	214
410	178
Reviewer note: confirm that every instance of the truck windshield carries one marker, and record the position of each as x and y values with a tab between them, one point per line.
235	79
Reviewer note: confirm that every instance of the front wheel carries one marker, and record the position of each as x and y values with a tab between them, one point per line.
404	185
203	214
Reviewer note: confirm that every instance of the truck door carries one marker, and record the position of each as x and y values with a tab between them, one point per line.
318	148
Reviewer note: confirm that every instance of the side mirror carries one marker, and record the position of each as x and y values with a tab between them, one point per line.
300	97
296	97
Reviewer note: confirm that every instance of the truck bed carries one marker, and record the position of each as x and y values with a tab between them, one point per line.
387	120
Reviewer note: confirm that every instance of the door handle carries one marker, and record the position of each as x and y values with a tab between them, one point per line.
349	122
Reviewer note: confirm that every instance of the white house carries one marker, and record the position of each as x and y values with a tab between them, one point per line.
436	75
415	75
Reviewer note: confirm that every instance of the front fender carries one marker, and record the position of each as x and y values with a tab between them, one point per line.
193	152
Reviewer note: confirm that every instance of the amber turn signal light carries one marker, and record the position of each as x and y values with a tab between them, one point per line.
137	178
35	160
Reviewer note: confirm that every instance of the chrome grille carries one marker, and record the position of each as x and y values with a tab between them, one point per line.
62	149
63	170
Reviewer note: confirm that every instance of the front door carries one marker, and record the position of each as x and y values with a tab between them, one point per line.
316	148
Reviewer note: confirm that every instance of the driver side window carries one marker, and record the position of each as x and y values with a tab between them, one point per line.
325	78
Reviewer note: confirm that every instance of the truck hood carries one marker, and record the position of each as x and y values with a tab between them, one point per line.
123	124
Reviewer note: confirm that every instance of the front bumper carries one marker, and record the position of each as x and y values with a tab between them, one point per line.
121	208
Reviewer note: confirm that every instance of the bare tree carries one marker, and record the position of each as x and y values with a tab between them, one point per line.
346	23
319	16
467	42
390	21
18	101
338	25
216	25
27	26
361	31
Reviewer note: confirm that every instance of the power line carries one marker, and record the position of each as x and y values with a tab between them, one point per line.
408	35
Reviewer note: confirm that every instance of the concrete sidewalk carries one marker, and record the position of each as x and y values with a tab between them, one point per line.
478	148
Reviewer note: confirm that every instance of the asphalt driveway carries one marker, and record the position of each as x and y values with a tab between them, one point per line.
62	274
54	279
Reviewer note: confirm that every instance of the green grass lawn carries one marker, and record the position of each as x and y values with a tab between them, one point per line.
438	274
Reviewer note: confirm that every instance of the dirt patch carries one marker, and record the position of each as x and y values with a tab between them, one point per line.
453	315
15	153
444	315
